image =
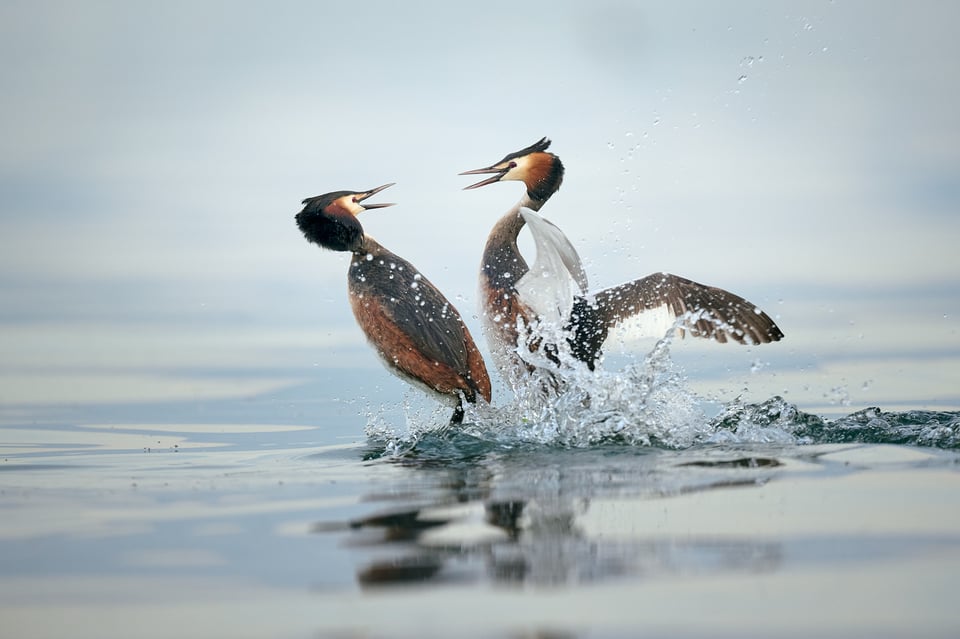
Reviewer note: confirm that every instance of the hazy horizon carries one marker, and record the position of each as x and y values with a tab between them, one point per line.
802	154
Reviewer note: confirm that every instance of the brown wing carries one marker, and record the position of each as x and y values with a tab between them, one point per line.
708	312
416	330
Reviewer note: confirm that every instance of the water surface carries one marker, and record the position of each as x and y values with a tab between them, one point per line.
759	519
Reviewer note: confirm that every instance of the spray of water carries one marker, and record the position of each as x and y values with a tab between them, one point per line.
563	403
560	402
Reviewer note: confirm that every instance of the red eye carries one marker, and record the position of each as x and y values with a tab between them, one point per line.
513	164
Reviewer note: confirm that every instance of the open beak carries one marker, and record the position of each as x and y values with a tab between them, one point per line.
497	170
372	192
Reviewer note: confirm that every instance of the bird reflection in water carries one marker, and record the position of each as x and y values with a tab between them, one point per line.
508	521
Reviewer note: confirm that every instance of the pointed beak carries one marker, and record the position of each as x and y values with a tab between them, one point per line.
497	170
373	192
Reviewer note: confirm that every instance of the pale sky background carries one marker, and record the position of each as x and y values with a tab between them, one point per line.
805	155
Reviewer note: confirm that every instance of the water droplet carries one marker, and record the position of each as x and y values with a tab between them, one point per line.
611	145
741	79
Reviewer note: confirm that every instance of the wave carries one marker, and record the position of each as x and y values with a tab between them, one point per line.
650	404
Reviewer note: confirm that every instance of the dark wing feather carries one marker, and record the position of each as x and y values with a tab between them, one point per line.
708	312
421	312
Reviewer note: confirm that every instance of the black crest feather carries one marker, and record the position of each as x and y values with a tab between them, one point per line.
540	145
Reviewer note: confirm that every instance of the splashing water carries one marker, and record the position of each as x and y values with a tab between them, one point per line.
647	403
644	404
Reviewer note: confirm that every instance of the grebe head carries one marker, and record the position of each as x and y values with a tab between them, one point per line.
540	171
330	220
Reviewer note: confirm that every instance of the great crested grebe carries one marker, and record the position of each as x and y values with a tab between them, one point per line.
416	331
514	296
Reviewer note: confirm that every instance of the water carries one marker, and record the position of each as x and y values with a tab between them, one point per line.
628	505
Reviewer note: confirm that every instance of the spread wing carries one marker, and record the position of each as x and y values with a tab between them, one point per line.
702	311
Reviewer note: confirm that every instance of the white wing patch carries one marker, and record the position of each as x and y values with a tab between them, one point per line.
654	323
546	288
